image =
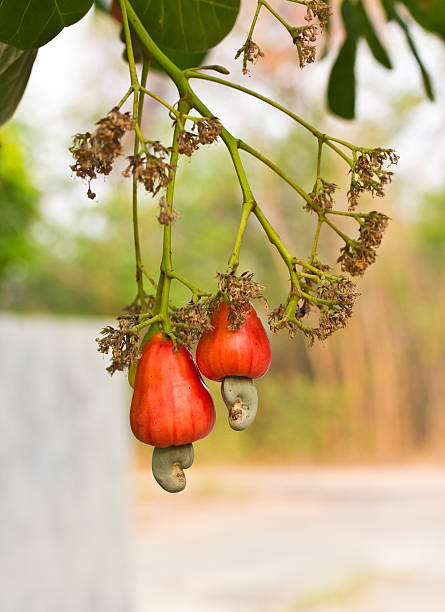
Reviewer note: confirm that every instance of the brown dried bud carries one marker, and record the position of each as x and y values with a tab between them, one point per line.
239	291
251	52
165	216
95	153
151	170
303	38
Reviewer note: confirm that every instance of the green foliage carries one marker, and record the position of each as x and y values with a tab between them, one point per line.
188	26
430	14
341	86
15	68
18	204
28	24
181	59
394	15
370	35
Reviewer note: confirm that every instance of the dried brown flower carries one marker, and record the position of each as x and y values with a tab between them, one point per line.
342	291
123	344
207	129
251	52
369	175
239	291
303	37
372	229
165	216
191	321
95	153
150	167
188	143
320	10
355	260
323	196
334	299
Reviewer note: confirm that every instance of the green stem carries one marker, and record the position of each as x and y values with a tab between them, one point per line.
234	258
175	73
245	147
276	15
313	256
131	63
147	323
197	293
286	111
166	263
253	24
125	98
138	105
137	112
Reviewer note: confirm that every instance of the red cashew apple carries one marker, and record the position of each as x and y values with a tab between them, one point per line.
171	404
171	408
222	352
235	357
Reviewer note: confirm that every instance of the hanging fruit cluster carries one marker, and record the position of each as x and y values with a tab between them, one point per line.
171	406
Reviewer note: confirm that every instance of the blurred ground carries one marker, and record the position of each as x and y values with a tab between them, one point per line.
289	539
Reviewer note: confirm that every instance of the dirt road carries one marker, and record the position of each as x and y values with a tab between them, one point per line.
283	540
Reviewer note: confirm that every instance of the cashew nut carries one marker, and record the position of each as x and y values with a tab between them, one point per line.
241	399
168	465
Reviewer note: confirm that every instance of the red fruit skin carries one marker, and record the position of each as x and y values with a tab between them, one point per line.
171	405
116	12
222	352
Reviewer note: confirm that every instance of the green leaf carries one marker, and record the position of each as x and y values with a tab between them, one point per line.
189	26
430	14
183	60
351	19
28	24
389	8
409	39
342	85
15	68
374	43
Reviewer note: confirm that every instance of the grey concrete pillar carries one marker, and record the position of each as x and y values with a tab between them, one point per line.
64	471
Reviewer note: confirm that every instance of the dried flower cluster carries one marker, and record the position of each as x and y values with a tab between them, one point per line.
356	258
151	167
251	52
372	229
322	195
334	298
123	344
342	291
239	291
317	9
166	217
95	152
121	341
191	321
207	130
304	38
369	175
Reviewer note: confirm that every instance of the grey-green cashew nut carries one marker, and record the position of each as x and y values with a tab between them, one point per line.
168	465
241	399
